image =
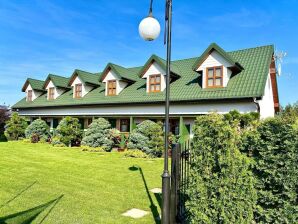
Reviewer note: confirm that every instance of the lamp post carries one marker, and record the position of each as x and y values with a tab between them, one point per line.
149	30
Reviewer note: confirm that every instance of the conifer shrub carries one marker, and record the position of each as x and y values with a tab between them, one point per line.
148	137
99	135
221	184
15	127
37	131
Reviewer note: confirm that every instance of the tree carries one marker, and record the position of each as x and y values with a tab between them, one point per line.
4	116
69	131
99	134
221	184
39	129
148	137
15	127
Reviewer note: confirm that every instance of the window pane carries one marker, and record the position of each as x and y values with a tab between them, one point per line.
210	73
210	82
158	79
152	78
152	88
218	81
218	72
157	87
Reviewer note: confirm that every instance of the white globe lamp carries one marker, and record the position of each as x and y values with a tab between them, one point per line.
149	28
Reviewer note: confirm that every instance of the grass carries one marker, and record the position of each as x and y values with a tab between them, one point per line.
96	187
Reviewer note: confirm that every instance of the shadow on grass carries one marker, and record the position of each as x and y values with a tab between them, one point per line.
27	216
18	194
153	207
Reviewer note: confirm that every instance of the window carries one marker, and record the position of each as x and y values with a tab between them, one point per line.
78	90
111	87
214	77
124	125
29	95
51	93
154	83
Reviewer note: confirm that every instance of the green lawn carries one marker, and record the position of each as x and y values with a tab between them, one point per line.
97	187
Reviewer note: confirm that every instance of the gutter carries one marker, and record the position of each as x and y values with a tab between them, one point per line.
257	104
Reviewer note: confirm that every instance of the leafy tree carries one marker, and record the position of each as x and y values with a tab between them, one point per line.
15	127
221	185
290	113
234	117
4	116
148	137
39	129
99	135
274	147
68	131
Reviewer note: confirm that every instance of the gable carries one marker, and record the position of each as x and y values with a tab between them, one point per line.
154	69
110	75
214	59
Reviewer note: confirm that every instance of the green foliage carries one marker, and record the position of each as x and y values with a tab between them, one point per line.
99	135
184	133
92	149
290	113
39	129
4	116
135	153
221	187
15	127
68	132
123	142
148	137
3	138
234	117
274	147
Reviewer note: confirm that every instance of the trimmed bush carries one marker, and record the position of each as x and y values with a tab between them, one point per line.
221	184
274	147
99	135
15	127
135	153
68	132
39	129
148	137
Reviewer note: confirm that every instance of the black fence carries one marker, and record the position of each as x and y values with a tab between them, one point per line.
181	158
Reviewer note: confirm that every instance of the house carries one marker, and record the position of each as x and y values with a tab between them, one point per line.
216	80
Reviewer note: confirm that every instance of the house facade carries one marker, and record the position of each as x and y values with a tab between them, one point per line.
216	80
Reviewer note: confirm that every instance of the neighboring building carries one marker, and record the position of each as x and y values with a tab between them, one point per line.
244	80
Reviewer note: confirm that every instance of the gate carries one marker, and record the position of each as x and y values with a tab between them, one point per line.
181	157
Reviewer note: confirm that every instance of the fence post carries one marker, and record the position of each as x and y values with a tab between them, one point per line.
174	183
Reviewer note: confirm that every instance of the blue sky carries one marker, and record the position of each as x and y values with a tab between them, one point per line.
38	37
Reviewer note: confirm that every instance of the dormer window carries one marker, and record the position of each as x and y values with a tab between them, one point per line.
51	93
78	90
111	87
154	83
214	77
29	95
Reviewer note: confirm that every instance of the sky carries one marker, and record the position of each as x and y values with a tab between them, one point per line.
38	37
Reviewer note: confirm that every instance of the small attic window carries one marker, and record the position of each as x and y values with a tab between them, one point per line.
214	77
29	95
51	93
111	87
78	90
154	83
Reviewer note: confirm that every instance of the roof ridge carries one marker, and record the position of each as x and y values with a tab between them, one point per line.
35	79
250	48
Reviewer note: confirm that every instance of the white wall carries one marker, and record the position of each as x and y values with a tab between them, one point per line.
85	88
155	69
57	91
215	59
35	93
175	109
120	85
267	101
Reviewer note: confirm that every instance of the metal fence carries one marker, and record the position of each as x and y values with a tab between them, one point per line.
181	158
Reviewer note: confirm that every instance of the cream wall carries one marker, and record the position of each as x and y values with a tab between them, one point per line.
35	93
120	85
57	91
267	101
215	59
155	69
85	88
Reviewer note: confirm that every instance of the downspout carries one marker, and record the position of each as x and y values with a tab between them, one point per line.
257	104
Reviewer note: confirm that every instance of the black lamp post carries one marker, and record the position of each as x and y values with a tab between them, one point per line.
149	29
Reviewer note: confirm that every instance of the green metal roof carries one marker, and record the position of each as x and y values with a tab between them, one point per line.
85	77
121	72
249	82
58	81
34	83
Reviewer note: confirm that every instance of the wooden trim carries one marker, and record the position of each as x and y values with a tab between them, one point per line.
103	76
147	68
274	85
155	83
112	87
29	95
73	77
78	90
214	77
51	93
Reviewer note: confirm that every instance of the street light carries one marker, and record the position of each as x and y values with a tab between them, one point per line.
149	29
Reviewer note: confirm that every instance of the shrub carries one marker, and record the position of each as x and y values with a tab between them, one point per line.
234	117
92	149
148	137
3	138
15	127
38	129
135	153
99	135
221	184
115	136
68	131
274	147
